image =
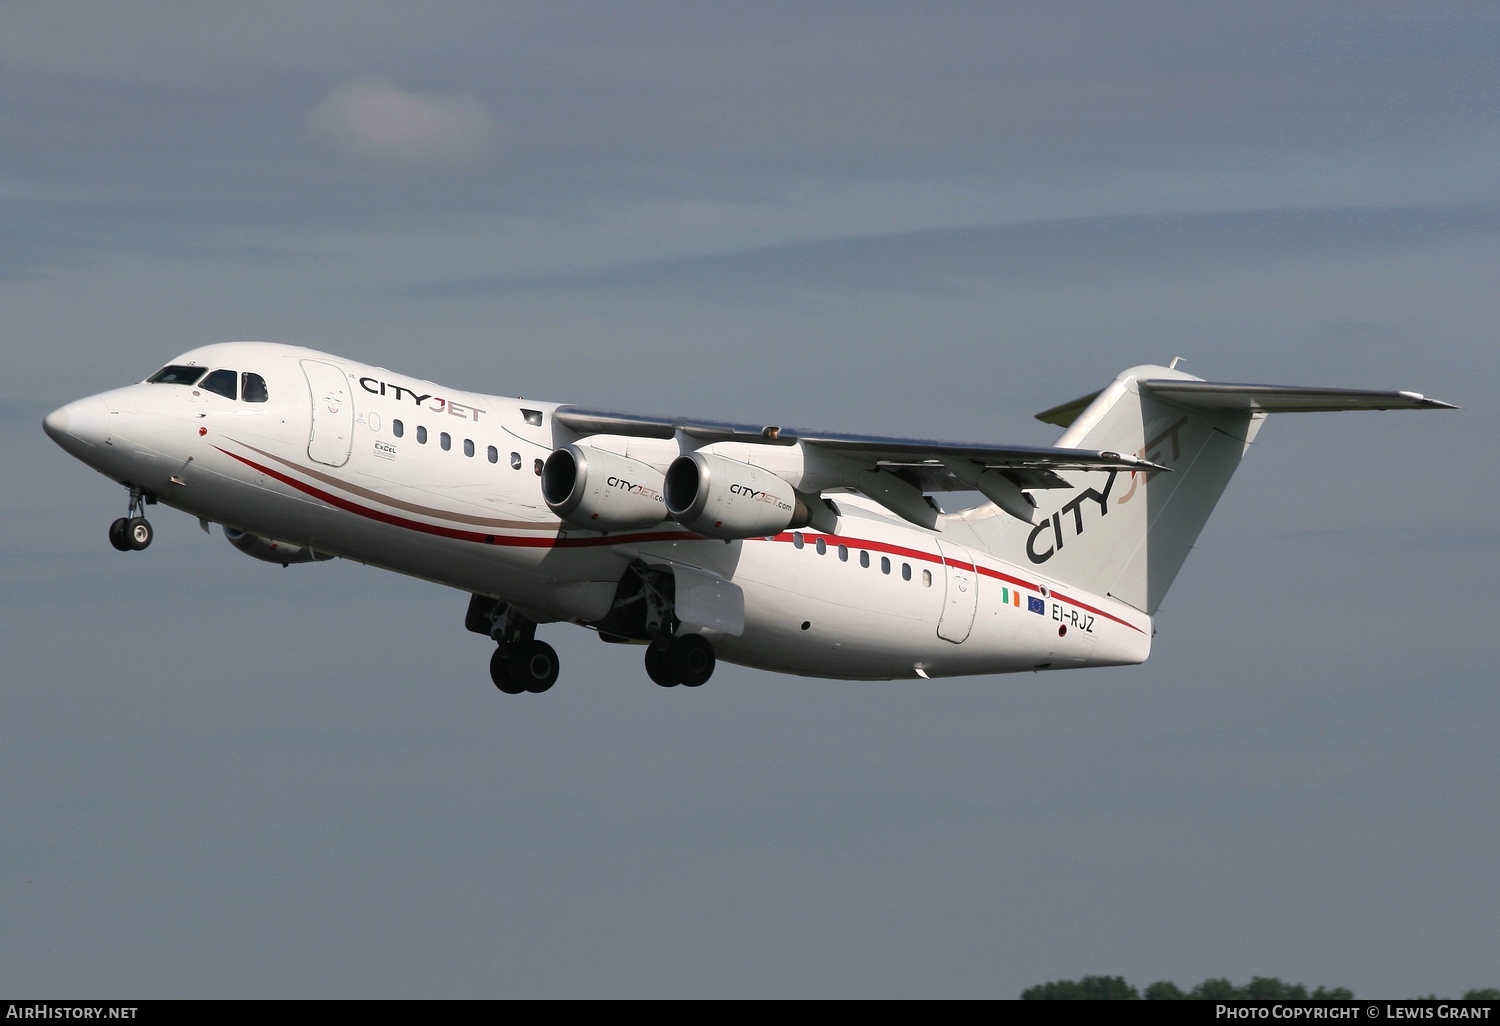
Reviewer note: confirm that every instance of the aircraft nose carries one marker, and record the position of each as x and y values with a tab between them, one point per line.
78	426
56	424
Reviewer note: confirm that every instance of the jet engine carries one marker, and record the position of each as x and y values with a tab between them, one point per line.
601	490
724	498
285	553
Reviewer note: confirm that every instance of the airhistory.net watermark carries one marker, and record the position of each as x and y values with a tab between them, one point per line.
42	1010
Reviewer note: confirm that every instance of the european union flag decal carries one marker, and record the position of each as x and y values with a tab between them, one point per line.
1036	605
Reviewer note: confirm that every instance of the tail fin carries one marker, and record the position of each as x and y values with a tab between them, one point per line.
1127	534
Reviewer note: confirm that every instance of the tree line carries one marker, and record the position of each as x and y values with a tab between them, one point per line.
1260	988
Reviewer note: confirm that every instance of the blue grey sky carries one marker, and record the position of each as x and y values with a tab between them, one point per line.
219	777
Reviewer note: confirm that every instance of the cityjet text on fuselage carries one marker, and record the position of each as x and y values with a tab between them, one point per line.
377	387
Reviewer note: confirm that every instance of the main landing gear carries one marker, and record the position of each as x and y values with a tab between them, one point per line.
688	660
520	663
645	610
133	531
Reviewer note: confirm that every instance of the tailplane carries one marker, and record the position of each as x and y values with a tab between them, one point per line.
1126	534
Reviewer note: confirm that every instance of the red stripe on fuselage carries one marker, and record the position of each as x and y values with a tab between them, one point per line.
932	557
522	541
516	541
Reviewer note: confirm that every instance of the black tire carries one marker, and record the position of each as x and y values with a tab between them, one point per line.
533	666
500	674
117	535
656	666
138	533
691	660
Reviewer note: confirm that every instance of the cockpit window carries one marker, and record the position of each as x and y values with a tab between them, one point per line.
176	374
253	388
221	382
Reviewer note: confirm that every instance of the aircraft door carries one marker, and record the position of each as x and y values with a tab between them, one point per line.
961	598
332	413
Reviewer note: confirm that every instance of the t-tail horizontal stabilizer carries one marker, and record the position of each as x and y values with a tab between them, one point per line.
1126	532
1218	395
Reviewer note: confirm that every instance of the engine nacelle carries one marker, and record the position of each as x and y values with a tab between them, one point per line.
601	490
724	498
272	551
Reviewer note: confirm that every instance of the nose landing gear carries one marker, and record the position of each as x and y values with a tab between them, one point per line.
133	532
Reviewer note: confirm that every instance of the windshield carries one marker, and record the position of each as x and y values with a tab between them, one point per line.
175	374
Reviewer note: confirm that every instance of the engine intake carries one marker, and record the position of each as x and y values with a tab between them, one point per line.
601	490
724	498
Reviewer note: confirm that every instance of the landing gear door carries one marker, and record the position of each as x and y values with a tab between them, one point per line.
332	413
704	600
961	600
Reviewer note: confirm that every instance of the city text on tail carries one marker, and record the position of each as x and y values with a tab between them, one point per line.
796	551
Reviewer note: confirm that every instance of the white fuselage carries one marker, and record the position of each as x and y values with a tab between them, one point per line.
879	598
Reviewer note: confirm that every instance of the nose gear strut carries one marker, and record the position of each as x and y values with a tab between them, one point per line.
133	532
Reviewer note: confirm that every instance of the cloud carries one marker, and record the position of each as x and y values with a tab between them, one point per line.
1065	251
374	117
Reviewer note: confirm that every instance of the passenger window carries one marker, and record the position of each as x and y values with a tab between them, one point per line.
843	553
797	539
822	546
885	564
220	382
864	559
421	435
493	454
253	388
515	461
906	571
397	428
468	447
445	440
926	578
176	374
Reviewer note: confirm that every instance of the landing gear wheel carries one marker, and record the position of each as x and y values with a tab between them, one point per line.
500	674
117	534
656	666
533	666
138	533
691	660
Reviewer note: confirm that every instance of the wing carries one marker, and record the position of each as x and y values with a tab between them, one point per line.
924	462
929	459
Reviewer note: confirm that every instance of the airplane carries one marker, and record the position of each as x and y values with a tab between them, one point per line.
800	552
